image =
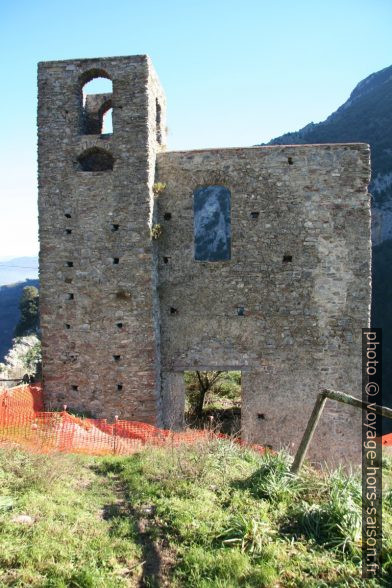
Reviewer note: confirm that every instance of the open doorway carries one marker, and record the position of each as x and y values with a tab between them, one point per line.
213	400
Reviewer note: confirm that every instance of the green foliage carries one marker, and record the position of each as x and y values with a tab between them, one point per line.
222	568
9	312
156	231
6	503
158	188
234	518
336	522
29	312
273	481
33	358
211	389
218	513
69	543
248	532
197	385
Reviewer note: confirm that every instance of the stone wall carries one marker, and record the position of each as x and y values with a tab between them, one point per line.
123	316
288	307
100	346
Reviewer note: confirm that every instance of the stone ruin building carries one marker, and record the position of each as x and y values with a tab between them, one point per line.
261	263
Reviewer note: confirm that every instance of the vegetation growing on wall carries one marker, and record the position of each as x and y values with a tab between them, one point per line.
156	231
158	188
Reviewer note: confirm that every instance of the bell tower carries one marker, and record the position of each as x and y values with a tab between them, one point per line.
99	308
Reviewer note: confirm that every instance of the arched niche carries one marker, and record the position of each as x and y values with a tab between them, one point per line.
95	160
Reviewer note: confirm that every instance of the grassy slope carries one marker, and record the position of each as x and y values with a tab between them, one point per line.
210	515
69	543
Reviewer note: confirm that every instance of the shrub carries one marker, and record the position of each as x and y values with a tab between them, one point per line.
156	231
158	188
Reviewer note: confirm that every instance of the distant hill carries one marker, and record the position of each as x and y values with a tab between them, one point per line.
367	117
9	312
18	269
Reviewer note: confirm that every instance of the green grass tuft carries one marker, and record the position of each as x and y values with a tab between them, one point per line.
208	515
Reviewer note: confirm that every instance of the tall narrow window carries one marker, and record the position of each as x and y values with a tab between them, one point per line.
97	91
212	223
107	121
158	121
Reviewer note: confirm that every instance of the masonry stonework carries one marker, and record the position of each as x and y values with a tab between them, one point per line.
123	315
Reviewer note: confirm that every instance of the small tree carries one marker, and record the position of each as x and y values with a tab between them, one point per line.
199	384
29	312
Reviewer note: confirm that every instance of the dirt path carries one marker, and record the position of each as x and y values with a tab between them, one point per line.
157	559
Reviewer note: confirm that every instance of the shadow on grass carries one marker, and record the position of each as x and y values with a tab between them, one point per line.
221	420
325	510
136	520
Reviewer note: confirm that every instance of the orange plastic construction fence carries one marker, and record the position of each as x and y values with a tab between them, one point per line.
387	440
24	421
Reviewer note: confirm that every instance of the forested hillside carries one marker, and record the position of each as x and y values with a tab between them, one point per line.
9	312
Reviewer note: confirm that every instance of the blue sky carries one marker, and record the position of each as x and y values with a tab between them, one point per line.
235	73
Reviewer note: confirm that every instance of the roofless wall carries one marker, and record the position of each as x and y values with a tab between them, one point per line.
262	264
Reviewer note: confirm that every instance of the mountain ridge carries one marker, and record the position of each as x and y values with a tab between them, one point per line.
366	117
16	269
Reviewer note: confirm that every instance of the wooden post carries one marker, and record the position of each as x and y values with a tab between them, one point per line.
347	399
309	431
315	417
